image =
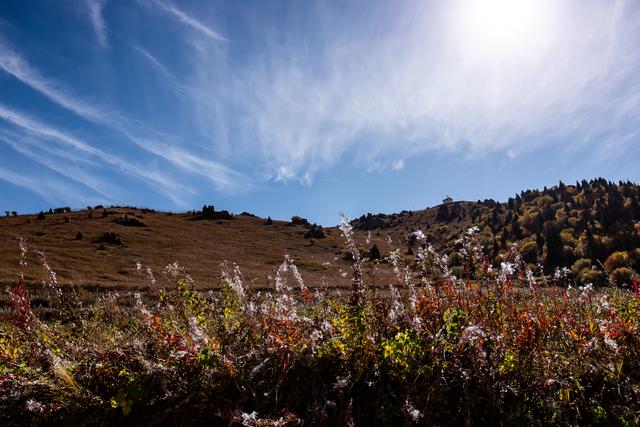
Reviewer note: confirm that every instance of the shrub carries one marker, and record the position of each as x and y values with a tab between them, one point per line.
110	237
79	235
529	252
298	220
622	277
269	221
130	222
370	222
580	265
458	271
455	259
315	232
443	214
40	216
66	219
534	268
223	214
597	278
208	210
209	213
567	254
616	260
374	253
634	258
567	237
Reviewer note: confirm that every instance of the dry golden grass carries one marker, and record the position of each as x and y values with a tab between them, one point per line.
200	246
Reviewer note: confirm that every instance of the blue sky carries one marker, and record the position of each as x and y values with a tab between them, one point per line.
312	108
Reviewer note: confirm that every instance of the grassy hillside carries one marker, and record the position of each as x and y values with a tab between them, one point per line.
100	247
591	228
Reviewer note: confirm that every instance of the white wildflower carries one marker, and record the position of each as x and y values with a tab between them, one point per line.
610	343
473	230
473	332
561	274
415	415
235	281
34	406
507	270
196	332
141	306
249	420
326	327
22	244
419	236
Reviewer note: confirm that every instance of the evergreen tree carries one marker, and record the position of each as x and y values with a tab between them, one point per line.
515	227
554	245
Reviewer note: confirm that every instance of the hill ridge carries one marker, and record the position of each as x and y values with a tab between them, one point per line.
565	226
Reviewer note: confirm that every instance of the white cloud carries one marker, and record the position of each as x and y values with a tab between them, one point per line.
223	177
397	165
95	8
383	90
330	85
49	189
189	20
169	79
43	133
59	163
14	64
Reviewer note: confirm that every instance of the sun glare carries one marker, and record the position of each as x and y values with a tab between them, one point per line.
502	26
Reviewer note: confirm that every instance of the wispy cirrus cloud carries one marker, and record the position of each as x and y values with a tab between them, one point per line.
169	79
188	20
94	9
305	88
382	89
60	162
42	132
34	127
52	190
222	176
11	62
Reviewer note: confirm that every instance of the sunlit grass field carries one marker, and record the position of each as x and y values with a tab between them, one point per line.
499	346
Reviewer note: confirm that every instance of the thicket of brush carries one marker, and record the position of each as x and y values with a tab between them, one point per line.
495	347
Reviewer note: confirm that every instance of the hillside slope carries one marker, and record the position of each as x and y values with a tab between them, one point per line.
591	227
101	247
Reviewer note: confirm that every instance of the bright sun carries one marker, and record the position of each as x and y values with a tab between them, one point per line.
503	26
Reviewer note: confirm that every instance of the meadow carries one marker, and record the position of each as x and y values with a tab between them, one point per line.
500	345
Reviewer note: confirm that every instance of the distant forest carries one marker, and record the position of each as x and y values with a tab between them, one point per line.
591	228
